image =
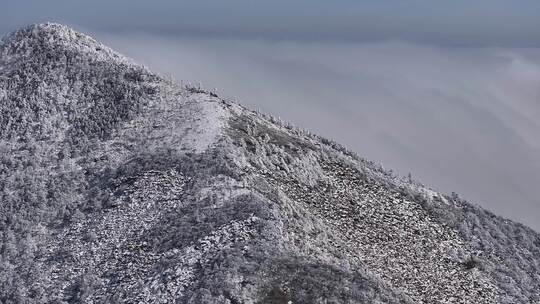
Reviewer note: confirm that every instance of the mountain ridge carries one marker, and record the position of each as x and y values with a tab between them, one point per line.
121	186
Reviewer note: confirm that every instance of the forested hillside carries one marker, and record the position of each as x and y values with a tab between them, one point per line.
120	186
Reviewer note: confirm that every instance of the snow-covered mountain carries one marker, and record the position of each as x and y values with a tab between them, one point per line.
120	186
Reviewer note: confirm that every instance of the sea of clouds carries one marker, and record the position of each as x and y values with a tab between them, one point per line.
463	119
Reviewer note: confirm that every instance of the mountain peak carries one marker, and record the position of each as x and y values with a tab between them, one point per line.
57	74
54	37
50	28
119	186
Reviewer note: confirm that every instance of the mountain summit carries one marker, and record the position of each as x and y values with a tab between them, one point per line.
120	186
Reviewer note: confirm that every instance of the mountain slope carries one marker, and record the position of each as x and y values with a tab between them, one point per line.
119	186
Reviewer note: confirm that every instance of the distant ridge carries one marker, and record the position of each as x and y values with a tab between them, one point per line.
119	186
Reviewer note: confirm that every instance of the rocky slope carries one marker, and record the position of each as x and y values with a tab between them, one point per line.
119	186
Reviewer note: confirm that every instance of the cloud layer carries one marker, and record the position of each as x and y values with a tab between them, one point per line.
459	119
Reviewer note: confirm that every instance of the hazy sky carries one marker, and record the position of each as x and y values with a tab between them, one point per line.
449	91
461	22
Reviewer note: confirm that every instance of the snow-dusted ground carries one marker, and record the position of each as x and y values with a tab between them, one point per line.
122	187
